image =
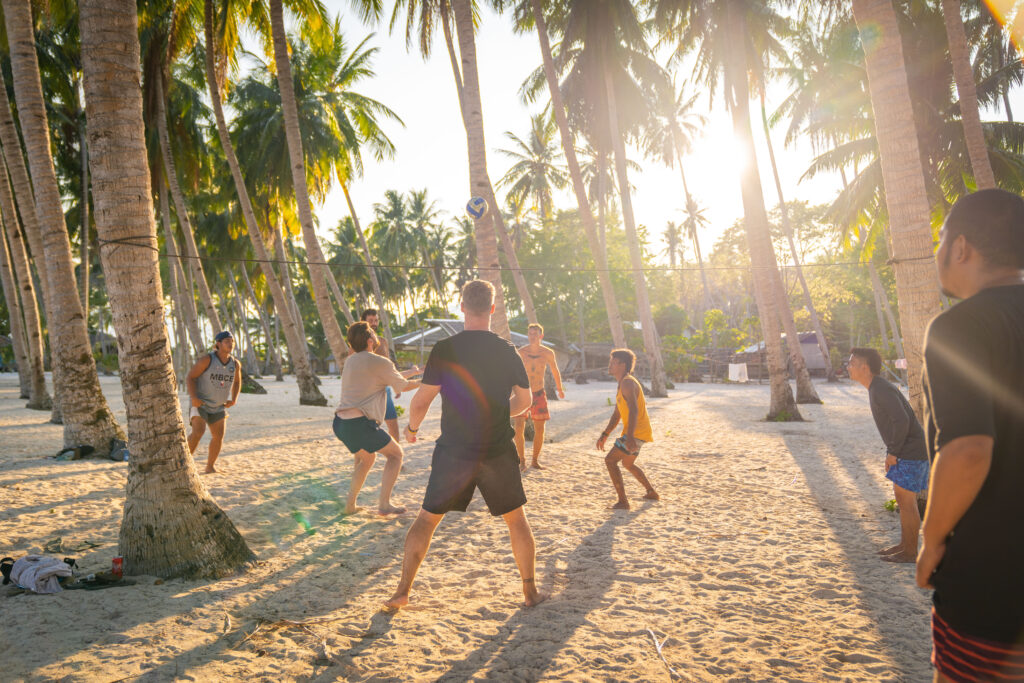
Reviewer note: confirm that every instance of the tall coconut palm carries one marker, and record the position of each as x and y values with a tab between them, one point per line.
532	10
171	525
963	74
309	394
319	273
905	192
612	71
16	320
536	171
425	217
86	416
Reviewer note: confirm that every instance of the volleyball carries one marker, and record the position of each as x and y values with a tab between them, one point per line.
477	207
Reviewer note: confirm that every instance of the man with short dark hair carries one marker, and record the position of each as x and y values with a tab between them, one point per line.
476	372
973	536
906	458
372	317
213	385
631	408
537	359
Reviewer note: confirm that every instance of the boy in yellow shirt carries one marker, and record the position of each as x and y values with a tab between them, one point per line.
631	408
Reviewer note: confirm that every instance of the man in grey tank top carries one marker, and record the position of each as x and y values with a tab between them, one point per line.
213	386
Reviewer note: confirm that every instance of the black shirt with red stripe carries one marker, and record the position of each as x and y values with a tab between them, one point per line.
974	385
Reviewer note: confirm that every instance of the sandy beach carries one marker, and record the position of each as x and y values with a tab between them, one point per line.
757	564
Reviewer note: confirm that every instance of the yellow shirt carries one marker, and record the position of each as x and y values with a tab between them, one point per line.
642	431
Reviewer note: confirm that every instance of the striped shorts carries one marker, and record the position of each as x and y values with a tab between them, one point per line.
965	659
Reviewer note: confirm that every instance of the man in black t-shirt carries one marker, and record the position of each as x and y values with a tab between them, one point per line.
476	372
973	540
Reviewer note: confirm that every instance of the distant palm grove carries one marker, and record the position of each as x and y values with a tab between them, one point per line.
158	187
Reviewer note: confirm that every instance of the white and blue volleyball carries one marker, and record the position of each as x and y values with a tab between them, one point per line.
477	208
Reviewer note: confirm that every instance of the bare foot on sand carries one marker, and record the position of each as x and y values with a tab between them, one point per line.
397	602
536	465
652	495
523	466
621	505
900	558
351	510
533	596
390	510
889	551
210	469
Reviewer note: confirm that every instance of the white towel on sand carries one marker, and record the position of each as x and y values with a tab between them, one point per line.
38	573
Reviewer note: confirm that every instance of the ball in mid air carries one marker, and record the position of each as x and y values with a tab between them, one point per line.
477	207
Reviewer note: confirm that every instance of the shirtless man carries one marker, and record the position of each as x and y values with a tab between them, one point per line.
372	317
536	358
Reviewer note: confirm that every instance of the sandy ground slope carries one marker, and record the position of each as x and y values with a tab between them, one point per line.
757	564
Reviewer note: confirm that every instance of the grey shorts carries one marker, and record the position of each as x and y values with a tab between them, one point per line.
206	415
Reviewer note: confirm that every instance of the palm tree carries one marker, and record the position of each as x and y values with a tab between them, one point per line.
16	320
963	74
86	416
536	171
905	192
535	12
171	525
396	236
309	394
424	217
694	222
319	273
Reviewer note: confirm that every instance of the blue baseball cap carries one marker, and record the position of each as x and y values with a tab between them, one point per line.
221	336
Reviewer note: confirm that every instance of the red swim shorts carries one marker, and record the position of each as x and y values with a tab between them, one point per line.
538	411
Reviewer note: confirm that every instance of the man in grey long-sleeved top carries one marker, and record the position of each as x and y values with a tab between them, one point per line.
906	459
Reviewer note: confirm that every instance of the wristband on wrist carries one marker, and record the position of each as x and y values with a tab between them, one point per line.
409	427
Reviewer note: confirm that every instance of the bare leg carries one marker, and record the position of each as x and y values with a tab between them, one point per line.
393	429
364	461
524	549
196	433
612	462
216	441
520	440
940	677
538	441
393	453
417	542
629	462
910	526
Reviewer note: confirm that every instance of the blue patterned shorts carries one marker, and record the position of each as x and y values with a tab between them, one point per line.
911	475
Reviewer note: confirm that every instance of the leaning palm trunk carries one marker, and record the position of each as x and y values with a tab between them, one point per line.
309	394
191	251
805	392
17	321
83	248
250	351
289	289
340	298
86	417
762	257
906	197
185	303
28	311
319	272
819	332
643	302
272	357
473	120
171	526
966	88
586	215
385	317
692	227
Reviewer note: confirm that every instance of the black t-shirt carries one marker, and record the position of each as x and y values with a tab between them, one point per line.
476	370
974	385
896	422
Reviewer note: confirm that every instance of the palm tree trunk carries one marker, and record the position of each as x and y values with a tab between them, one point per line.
894	329
185	304
27	314
906	197
479	184
309	394
643	304
171	526
782	407
289	289
586	215
340	298
179	353
83	249
819	332
86	417
879	313
966	88
385	318
319	272
250	351
191	251
695	238
17	321
272	354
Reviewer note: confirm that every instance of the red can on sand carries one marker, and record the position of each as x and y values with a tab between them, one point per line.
117	569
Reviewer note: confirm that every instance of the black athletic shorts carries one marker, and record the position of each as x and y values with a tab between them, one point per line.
456	472
360	433
206	415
